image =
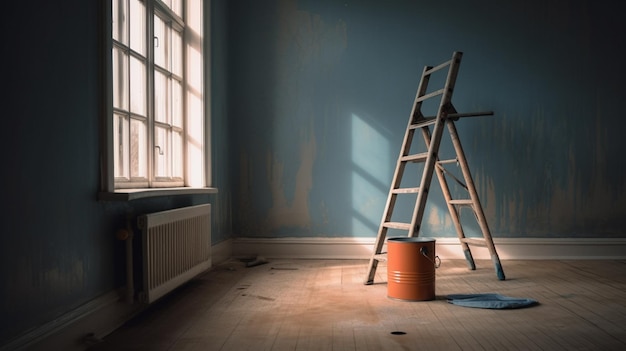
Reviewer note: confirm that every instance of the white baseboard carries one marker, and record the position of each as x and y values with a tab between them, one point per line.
221	252
446	248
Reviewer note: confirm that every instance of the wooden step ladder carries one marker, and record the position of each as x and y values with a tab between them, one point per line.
445	116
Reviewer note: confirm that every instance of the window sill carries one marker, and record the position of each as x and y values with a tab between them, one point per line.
134	194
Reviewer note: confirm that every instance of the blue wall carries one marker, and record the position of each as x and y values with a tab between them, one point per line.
322	91
57	241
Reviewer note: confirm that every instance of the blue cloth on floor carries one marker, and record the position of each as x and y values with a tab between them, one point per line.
493	301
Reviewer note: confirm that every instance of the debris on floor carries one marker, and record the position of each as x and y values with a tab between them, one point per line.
256	262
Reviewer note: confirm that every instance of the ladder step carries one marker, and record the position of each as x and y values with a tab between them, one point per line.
415	157
456	115
462	202
452	160
431	70
381	256
406	190
397	225
429	95
423	123
474	241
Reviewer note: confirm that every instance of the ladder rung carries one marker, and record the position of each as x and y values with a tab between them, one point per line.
381	256
474	241
462	202
405	190
397	225
470	114
415	157
428	96
423	123
453	160
436	68
461	115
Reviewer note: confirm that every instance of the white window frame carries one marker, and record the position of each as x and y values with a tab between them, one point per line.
194	175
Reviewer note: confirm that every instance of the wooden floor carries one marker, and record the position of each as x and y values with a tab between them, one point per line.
323	305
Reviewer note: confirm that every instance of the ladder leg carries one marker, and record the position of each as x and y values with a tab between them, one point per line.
371	269
498	266
478	209
373	264
454	214
468	257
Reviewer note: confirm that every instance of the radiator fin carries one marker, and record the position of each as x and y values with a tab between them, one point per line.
176	247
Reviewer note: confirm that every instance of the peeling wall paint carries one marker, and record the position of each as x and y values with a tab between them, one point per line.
294	213
277	159
547	164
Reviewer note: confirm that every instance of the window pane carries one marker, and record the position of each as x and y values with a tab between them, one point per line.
177	7
120	23
177	103
177	155
177	53
160	97
161	151
120	79
120	145
137	86
160	42
138	149
138	26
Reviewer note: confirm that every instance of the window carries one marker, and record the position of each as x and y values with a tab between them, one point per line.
156	125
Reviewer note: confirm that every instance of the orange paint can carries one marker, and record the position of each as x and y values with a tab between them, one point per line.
411	264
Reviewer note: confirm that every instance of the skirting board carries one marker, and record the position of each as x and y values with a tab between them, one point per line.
221	252
445	248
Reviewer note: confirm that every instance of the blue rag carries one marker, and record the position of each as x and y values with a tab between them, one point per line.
493	301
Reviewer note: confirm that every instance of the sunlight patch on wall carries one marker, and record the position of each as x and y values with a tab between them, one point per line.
370	152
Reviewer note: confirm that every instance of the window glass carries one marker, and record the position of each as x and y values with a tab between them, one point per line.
177	103
137	86
177	53
120	23
138	149
160	42
138	26
162	151
160	97
120	81
177	149
120	146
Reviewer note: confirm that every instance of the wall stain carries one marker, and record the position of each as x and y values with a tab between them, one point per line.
304	52
295	213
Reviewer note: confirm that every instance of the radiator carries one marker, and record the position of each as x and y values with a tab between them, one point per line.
176	246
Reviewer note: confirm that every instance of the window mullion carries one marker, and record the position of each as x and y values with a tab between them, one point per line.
170	117
150	89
